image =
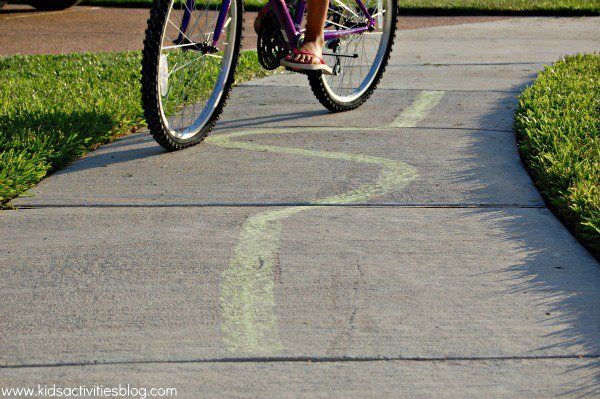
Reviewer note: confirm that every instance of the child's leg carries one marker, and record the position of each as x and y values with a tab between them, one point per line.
316	13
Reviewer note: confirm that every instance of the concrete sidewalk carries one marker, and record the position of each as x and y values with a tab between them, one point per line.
396	250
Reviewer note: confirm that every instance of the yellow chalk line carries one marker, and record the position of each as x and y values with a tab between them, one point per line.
248	316
419	109
247	287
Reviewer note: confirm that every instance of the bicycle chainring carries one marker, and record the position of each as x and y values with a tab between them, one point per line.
270	44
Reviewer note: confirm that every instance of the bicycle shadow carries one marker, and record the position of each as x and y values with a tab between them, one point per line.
141	145
268	120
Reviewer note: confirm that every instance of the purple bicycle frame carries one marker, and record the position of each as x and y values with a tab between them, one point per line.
290	26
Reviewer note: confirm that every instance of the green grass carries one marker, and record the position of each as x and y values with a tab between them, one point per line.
54	109
557	124
566	7
548	7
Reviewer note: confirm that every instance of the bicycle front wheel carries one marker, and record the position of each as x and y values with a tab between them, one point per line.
358	60
190	54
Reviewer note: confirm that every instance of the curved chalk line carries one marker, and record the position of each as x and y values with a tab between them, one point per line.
247	297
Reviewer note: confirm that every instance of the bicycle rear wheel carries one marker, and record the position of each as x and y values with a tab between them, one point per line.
186	74
358	60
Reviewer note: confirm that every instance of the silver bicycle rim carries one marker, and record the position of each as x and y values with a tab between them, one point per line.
357	74
190	74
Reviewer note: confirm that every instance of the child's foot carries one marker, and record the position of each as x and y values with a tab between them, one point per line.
308	57
311	52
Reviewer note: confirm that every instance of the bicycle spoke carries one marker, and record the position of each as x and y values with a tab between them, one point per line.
338	25
184	65
345	7
182	34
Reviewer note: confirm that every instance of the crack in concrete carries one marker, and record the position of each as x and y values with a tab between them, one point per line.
280	204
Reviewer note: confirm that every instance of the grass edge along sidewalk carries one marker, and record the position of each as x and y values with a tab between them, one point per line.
56	108
558	128
440	7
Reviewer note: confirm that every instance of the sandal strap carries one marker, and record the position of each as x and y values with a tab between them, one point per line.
304	52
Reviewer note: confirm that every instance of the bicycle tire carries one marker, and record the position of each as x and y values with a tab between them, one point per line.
323	93
151	102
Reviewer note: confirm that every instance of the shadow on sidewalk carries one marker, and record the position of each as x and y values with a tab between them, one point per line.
263	120
131	148
563	276
142	145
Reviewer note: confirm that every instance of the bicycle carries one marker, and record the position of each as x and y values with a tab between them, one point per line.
192	47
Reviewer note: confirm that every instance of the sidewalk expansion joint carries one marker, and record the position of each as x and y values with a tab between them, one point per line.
281	204
443	64
307	359
225	129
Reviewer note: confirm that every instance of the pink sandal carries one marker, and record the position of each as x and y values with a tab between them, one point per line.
306	66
